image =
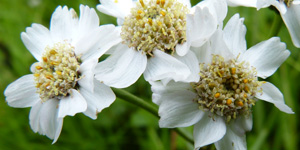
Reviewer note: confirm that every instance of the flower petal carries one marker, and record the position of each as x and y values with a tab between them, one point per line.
118	9
63	24
158	88
209	130
192	63
72	104
87	74
163	65
272	94
178	109
36	38
292	20
88	19
200	26
22	92
232	141
100	98
266	56
97	42
43	119
234	35
122	68
247	3
218	8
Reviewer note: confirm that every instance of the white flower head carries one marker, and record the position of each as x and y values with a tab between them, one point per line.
289	10
63	81
219	104
155	38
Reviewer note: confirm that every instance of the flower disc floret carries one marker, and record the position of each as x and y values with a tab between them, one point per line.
57	73
227	88
157	24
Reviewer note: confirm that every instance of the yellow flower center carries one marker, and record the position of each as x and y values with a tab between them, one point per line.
157	24
57	73
227	88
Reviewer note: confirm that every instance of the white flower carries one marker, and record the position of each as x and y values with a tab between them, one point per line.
155	40
219	104
289	10
63	81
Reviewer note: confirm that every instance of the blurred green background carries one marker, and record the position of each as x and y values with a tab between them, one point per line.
123	125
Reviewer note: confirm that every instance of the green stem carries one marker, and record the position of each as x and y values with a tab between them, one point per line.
124	95
276	25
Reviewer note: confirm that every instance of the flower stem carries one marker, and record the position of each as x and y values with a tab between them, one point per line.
124	95
276	25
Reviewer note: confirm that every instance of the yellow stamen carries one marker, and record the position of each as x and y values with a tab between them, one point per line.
45	59
217	95
245	80
150	21
229	101
245	95
38	67
142	3
36	75
246	88
233	70
139	11
49	76
240	103
58	72
53	52
162	13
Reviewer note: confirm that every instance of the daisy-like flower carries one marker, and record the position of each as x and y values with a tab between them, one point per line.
289	10
156	34
219	103
63	81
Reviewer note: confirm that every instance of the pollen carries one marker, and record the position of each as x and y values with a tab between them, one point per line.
227	87
58	72
217	95
155	24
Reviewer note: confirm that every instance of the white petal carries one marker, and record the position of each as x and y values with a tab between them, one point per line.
218	8
209	130
247	3
158	88
122	68
163	65
88	20
182	49
87	69
292	20
273	95
97	42
216	45
72	104
234	35
118	9
43	119
242	124
191	61
36	38
266	56
232	141
178	109
63	24
22	92
100	98
200	26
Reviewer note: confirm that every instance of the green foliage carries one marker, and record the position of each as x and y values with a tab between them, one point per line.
123	125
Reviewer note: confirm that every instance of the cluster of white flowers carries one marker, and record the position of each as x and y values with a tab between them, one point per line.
200	72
